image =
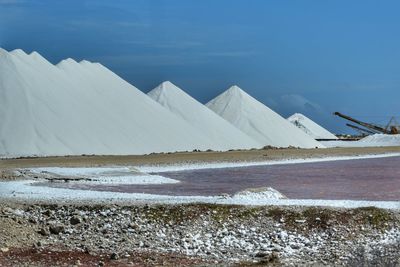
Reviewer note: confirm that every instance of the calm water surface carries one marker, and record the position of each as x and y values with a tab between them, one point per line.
363	179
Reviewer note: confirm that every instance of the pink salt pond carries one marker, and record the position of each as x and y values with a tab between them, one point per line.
361	179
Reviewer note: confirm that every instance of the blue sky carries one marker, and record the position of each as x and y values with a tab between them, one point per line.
314	57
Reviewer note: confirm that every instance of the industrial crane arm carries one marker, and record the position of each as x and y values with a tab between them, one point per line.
364	124
360	129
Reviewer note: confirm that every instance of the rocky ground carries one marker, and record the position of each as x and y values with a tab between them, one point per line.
42	234
196	234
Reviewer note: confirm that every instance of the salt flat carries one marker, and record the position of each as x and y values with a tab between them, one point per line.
375	140
36	190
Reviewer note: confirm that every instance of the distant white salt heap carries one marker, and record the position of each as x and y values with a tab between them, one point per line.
259	121
375	140
223	135
259	194
382	139
310	127
81	108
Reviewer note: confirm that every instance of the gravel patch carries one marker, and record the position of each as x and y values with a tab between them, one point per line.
214	233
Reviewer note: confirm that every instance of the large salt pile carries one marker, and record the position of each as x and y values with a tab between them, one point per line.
310	127
376	140
259	121
223	135
81	108
380	140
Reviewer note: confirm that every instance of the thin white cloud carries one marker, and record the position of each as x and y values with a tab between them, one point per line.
375	85
170	58
78	24
152	59
163	45
132	24
180	44
296	100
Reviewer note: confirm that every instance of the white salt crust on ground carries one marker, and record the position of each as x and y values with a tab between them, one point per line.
220	165
376	140
107	175
259	194
24	191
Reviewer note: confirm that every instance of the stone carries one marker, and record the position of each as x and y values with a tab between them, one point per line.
56	229
261	255
295	246
44	232
75	220
271	258
114	256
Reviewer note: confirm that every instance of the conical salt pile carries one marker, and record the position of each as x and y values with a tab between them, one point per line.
81	108
310	127
221	133
258	121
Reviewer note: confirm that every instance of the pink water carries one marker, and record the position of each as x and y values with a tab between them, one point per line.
364	179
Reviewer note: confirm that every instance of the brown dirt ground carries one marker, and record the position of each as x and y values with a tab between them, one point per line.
182	157
14	233
46	257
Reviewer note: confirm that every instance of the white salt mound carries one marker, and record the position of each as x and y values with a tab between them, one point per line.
222	134
260	193
310	127
376	140
104	175
258	121
383	139
82	108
